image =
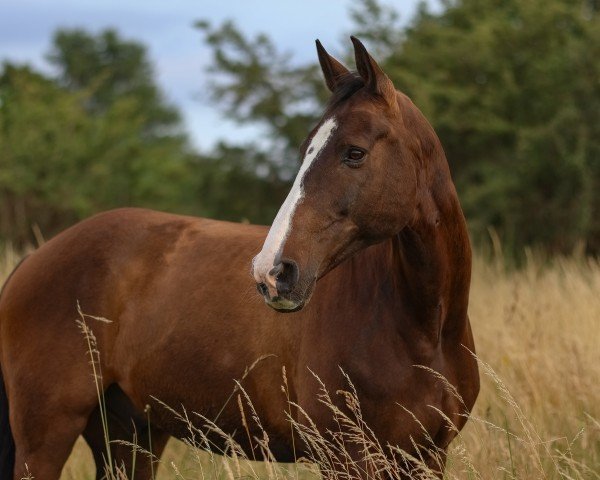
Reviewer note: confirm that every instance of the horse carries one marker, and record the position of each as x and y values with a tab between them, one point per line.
364	275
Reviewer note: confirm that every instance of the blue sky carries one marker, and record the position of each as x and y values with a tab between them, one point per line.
175	47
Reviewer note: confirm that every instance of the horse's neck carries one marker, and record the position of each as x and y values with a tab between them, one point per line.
433	261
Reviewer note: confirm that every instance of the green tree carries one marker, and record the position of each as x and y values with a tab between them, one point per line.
511	88
110	68
39	127
238	183
98	137
252	82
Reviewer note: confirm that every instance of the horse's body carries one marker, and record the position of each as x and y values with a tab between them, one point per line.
186	322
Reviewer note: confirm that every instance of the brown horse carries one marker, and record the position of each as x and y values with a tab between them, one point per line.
371	233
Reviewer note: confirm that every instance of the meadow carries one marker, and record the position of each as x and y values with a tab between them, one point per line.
537	332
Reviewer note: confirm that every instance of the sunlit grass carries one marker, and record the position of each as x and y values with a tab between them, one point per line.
538	328
537	333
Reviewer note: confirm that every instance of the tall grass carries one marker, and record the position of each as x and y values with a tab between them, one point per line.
537	332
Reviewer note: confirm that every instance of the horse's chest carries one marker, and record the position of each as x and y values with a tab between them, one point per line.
397	393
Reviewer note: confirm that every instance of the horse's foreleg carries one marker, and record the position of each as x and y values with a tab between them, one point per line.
130	437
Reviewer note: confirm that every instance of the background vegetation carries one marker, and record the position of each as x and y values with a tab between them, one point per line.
511	87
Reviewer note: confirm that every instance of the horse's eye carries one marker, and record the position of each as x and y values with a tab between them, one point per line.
354	156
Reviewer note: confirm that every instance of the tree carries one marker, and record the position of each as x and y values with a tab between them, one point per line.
254	83
40	125
238	183
97	137
511	88
110	68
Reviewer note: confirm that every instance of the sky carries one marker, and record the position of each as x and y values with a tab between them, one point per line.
175	47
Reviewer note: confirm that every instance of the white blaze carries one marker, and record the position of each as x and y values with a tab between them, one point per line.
279	231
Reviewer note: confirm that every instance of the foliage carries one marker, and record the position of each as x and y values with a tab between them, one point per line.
238	183
253	82
97	138
111	68
511	88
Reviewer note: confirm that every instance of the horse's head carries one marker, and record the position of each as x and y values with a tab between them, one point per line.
356	185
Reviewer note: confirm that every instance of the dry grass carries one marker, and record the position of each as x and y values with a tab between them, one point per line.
537	334
539	330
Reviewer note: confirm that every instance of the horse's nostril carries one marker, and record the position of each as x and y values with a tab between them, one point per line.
287	277
276	270
262	289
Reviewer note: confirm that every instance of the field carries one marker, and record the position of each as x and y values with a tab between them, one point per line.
537	333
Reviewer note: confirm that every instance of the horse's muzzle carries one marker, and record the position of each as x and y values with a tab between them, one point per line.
279	286
278	302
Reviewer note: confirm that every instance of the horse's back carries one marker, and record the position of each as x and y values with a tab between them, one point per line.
101	264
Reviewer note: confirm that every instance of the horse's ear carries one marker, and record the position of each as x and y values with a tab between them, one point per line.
332	69
375	79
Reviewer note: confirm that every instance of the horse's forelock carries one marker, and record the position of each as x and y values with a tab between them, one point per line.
347	86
